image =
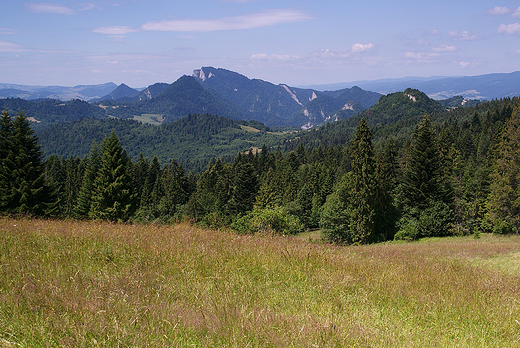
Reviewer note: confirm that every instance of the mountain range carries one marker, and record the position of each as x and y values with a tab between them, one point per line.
481	87
224	93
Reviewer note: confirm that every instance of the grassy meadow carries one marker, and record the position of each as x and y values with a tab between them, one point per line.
86	284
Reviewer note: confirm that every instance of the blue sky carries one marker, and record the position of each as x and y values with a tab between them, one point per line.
295	42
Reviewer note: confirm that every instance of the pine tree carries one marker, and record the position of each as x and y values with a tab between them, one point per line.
425	192
362	203
84	200
504	198
113	197
29	192
176	189
7	169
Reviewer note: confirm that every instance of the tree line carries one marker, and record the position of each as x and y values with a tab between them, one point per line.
453	176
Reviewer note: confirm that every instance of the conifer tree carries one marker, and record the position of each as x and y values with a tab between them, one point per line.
504	197
27	190
6	168
151	190
362	203
425	192
84	200
113	197
176	189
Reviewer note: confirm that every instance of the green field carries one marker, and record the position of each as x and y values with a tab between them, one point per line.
153	119
86	284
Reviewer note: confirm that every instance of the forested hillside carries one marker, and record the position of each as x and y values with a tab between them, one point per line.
406	168
193	140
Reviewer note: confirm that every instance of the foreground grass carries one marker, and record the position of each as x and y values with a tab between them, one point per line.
81	284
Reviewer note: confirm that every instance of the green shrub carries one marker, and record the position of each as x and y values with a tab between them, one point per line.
268	220
503	227
408	230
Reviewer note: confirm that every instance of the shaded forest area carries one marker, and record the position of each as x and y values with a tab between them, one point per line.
369	178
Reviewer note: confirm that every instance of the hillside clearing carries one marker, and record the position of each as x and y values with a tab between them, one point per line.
82	284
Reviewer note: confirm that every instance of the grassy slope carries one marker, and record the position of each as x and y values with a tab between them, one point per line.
82	284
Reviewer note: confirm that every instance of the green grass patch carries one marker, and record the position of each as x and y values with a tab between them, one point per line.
249	129
153	119
84	284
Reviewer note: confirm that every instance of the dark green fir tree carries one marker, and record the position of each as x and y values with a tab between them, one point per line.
113	197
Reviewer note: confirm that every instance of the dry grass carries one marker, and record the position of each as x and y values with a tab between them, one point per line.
83	284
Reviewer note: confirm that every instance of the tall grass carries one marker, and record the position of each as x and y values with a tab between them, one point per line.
84	284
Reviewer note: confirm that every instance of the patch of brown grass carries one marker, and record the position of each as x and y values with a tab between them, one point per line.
82	284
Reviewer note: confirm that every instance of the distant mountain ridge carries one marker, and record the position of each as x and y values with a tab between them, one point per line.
281	104
82	92
482	87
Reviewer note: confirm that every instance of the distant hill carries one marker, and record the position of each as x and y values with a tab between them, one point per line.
49	112
192	140
177	100
121	93
152	91
83	92
481	87
280	104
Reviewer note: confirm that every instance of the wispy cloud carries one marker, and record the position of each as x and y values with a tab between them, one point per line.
45	7
274	57
255	20
498	10
444	48
50	8
343	53
463	35
421	56
509	29
6	46
115	30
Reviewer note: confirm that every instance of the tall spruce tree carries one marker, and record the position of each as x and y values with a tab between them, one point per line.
113	197
426	197
362	203
504	198
25	188
7	169
84	200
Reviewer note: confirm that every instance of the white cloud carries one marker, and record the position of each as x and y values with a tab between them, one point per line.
273	57
256	20
463	36
6	46
331	54
50	8
115	30
357	48
45	7
517	13
464	64
509	29
444	48
420	56
498	10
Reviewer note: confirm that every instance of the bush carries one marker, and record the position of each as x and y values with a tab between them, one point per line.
503	227
436	220
408	230
268	220
335	220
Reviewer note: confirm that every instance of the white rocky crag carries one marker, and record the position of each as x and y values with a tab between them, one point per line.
291	93
411	97
201	74
348	106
